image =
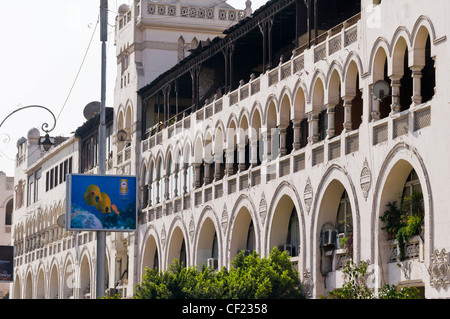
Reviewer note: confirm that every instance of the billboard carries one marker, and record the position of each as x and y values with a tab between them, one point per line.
6	263
101	202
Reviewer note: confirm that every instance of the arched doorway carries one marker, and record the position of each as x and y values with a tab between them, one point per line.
285	229
243	237
208	245
335	233
177	248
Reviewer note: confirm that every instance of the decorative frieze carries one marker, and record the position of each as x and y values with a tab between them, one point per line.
365	179
439	269
308	195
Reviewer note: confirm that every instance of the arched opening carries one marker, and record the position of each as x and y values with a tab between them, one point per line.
29	287
54	283
17	292
424	72
272	140
160	181
199	164
286	127
335	233
319	122
209	161
243	234
189	170
300	120
335	106
144	187
85	280
69	281
402	216
9	212
256	140
243	145
219	155
150	258
177	248
401	77
381	109
40	286
208	245
285	229
153	183
232	151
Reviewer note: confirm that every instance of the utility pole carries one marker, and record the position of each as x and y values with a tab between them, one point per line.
101	235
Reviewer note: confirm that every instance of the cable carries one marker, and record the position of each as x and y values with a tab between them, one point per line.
79	69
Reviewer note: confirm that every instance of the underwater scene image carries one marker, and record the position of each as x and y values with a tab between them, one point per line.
102	202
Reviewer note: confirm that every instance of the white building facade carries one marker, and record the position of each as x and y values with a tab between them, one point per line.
300	152
50	262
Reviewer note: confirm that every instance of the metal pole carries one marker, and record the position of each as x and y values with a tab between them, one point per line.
101	235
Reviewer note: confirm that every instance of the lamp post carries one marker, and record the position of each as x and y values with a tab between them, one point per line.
46	143
101	235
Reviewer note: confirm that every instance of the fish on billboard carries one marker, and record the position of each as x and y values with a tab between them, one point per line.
101	202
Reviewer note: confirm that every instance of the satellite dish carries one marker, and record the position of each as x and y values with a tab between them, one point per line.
121	136
61	221
381	89
91	109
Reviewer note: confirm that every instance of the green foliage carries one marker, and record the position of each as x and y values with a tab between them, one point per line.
356	286
405	221
250	277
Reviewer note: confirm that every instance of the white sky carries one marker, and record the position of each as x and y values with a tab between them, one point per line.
43	46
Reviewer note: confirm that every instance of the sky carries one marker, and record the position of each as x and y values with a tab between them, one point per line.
51	56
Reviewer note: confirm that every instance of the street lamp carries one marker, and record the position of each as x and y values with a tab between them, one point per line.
46	143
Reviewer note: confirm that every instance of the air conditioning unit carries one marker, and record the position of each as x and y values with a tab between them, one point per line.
213	263
329	237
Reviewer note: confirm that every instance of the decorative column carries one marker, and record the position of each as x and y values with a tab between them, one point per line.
253	151
267	137
217	162
241	157
297	134
282	149
417	89
166	187
330	113
207	178
313	127
229	161
175	180
395	84
149	200
184	173
348	113
197	174
375	112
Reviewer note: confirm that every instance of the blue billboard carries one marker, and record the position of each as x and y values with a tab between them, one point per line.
6	263
101	202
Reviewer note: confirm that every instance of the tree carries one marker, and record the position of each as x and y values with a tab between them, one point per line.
250	277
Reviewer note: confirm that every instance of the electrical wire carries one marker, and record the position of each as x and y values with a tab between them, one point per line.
79	69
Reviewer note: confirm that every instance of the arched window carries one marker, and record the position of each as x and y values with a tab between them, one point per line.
344	220
183	253
293	235
9	212
215	247
144	187
250	245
